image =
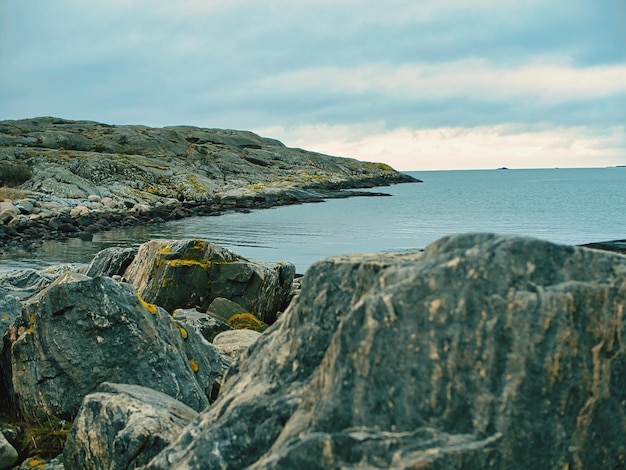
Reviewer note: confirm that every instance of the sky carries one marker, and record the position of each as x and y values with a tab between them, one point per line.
416	84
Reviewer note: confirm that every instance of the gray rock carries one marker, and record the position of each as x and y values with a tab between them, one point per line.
24	283
80	332
207	325
111	262
8	454
8	211
26	206
10	308
482	352
38	463
192	273
122	427
223	309
234	343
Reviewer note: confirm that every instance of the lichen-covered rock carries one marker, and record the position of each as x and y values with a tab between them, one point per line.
80	332
207	325
38	463
122	427
192	273
223	309
482	352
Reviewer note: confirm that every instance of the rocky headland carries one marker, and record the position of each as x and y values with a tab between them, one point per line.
483	351
62	178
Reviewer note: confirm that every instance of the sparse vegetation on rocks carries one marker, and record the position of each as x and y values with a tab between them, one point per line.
78	177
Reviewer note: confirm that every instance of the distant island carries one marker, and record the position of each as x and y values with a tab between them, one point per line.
62	178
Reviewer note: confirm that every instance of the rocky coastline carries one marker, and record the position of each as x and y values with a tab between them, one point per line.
483	351
61	178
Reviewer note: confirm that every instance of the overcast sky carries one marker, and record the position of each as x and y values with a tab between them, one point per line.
418	84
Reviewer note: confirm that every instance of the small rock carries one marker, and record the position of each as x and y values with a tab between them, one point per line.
78	211
94	198
234	343
206	324
37	463
8	454
109	202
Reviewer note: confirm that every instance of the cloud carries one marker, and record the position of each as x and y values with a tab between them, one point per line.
544	80
510	145
375	79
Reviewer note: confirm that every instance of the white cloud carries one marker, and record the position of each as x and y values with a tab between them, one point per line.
546	80
510	145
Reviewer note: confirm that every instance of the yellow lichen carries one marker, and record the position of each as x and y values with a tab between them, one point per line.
36	463
149	307
198	244
5	317
204	263
31	319
194	365
168	281
183	332
246	321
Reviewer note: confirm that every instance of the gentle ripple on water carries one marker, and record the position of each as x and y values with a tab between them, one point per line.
568	206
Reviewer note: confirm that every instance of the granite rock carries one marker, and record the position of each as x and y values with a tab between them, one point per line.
482	352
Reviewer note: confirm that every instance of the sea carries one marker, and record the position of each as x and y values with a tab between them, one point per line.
563	205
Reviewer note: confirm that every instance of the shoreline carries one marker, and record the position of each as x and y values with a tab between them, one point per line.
27	230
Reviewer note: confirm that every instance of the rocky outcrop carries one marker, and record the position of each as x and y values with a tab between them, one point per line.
482	352
123	426
192	273
79	332
77	177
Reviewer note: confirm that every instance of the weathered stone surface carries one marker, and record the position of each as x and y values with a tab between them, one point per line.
8	454
234	343
192	273
482	352
111	262
8	211
207	325
10	308
80	332
223	309
24	283
122	427
43	464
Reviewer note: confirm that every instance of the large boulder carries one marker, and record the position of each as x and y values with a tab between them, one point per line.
482	352
122	427
192	273
80	332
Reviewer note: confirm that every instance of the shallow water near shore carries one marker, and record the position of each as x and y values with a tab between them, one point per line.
568	206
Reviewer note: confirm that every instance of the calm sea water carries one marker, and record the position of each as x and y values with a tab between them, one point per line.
569	206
